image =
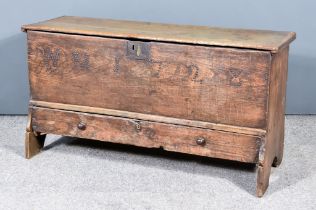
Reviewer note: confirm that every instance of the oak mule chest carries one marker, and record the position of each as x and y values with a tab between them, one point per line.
206	91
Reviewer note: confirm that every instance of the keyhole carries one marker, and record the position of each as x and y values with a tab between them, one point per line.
133	47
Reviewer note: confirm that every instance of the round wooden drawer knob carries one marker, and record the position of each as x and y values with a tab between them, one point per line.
81	126
201	141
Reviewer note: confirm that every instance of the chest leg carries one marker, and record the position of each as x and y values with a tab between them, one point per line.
34	141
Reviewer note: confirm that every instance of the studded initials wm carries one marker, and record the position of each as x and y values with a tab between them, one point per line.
80	60
51	58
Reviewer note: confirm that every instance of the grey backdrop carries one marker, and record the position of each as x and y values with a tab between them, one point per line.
294	15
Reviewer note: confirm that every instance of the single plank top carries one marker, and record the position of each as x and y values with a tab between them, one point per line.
214	36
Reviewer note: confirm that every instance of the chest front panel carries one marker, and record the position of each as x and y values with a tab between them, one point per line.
212	84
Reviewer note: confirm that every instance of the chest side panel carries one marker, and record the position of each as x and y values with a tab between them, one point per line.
220	85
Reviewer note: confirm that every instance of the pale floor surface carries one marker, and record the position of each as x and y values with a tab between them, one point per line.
79	174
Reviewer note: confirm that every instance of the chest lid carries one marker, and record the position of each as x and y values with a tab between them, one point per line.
187	34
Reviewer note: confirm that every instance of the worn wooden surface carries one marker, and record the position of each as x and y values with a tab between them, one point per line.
219	85
272	148
34	141
147	117
206	91
177	138
240	38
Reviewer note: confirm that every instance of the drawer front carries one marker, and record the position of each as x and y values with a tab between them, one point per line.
171	137
219	85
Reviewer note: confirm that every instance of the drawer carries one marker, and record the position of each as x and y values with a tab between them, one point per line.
184	139
211	84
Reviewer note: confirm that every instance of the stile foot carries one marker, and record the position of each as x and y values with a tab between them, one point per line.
34	143
263	174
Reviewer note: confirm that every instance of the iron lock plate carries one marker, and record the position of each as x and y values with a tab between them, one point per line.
138	50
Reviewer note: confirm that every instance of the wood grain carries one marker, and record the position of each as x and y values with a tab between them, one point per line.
148	117
34	141
272	148
202	35
177	138
219	85
205	91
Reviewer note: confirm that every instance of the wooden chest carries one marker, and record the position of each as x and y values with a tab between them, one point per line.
206	91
